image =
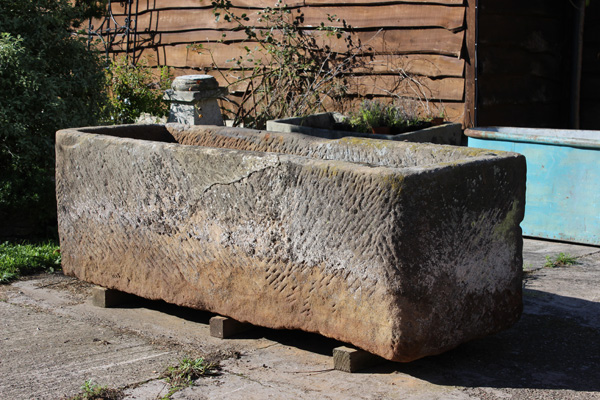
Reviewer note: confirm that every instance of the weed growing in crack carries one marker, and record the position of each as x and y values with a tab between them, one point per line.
561	260
183	374
92	391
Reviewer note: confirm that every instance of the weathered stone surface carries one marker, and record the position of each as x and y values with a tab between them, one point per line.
404	250
194	83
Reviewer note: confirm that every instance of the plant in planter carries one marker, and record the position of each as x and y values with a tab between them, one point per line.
401	121
376	117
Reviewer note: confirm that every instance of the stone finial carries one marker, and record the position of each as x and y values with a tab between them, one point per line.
193	100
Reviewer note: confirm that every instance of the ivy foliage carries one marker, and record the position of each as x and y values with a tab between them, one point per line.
48	81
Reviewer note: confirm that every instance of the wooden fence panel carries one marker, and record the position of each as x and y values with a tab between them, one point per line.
223	55
361	17
377	2
421	39
161	5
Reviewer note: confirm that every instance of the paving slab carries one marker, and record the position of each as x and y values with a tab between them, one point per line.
535	251
52	340
48	356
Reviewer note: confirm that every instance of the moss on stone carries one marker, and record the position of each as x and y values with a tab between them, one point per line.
367	143
506	229
393	182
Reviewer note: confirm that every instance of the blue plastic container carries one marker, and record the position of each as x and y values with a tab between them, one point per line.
563	179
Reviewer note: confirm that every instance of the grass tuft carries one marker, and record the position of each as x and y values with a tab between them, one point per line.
22	259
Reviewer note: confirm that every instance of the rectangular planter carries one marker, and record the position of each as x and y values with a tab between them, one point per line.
563	179
323	126
402	249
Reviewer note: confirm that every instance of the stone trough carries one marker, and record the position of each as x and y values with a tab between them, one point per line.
404	250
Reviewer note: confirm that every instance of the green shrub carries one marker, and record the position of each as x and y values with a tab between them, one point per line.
134	90
49	81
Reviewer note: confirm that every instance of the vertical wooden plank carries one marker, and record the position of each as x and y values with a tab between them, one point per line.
576	63
590	94
470	118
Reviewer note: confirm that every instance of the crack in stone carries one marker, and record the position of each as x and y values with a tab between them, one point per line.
246	176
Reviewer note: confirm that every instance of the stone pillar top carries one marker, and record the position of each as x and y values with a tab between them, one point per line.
193	100
194	83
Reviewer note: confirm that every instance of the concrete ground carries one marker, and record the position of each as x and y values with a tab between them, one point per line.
52	340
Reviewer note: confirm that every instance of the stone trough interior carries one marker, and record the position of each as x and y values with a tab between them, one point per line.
402	249
350	149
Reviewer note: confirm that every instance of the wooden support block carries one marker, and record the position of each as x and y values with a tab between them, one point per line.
348	359
224	327
103	297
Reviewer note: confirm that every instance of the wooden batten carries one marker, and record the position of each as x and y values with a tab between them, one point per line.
259	4
590	79
470	115
391	41
358	17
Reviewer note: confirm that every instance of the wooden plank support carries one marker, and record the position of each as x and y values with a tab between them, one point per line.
105	298
349	359
225	327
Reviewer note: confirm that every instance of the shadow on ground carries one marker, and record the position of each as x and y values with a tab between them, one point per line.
547	349
311	342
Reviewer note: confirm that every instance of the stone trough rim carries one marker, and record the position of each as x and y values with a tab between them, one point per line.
476	155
